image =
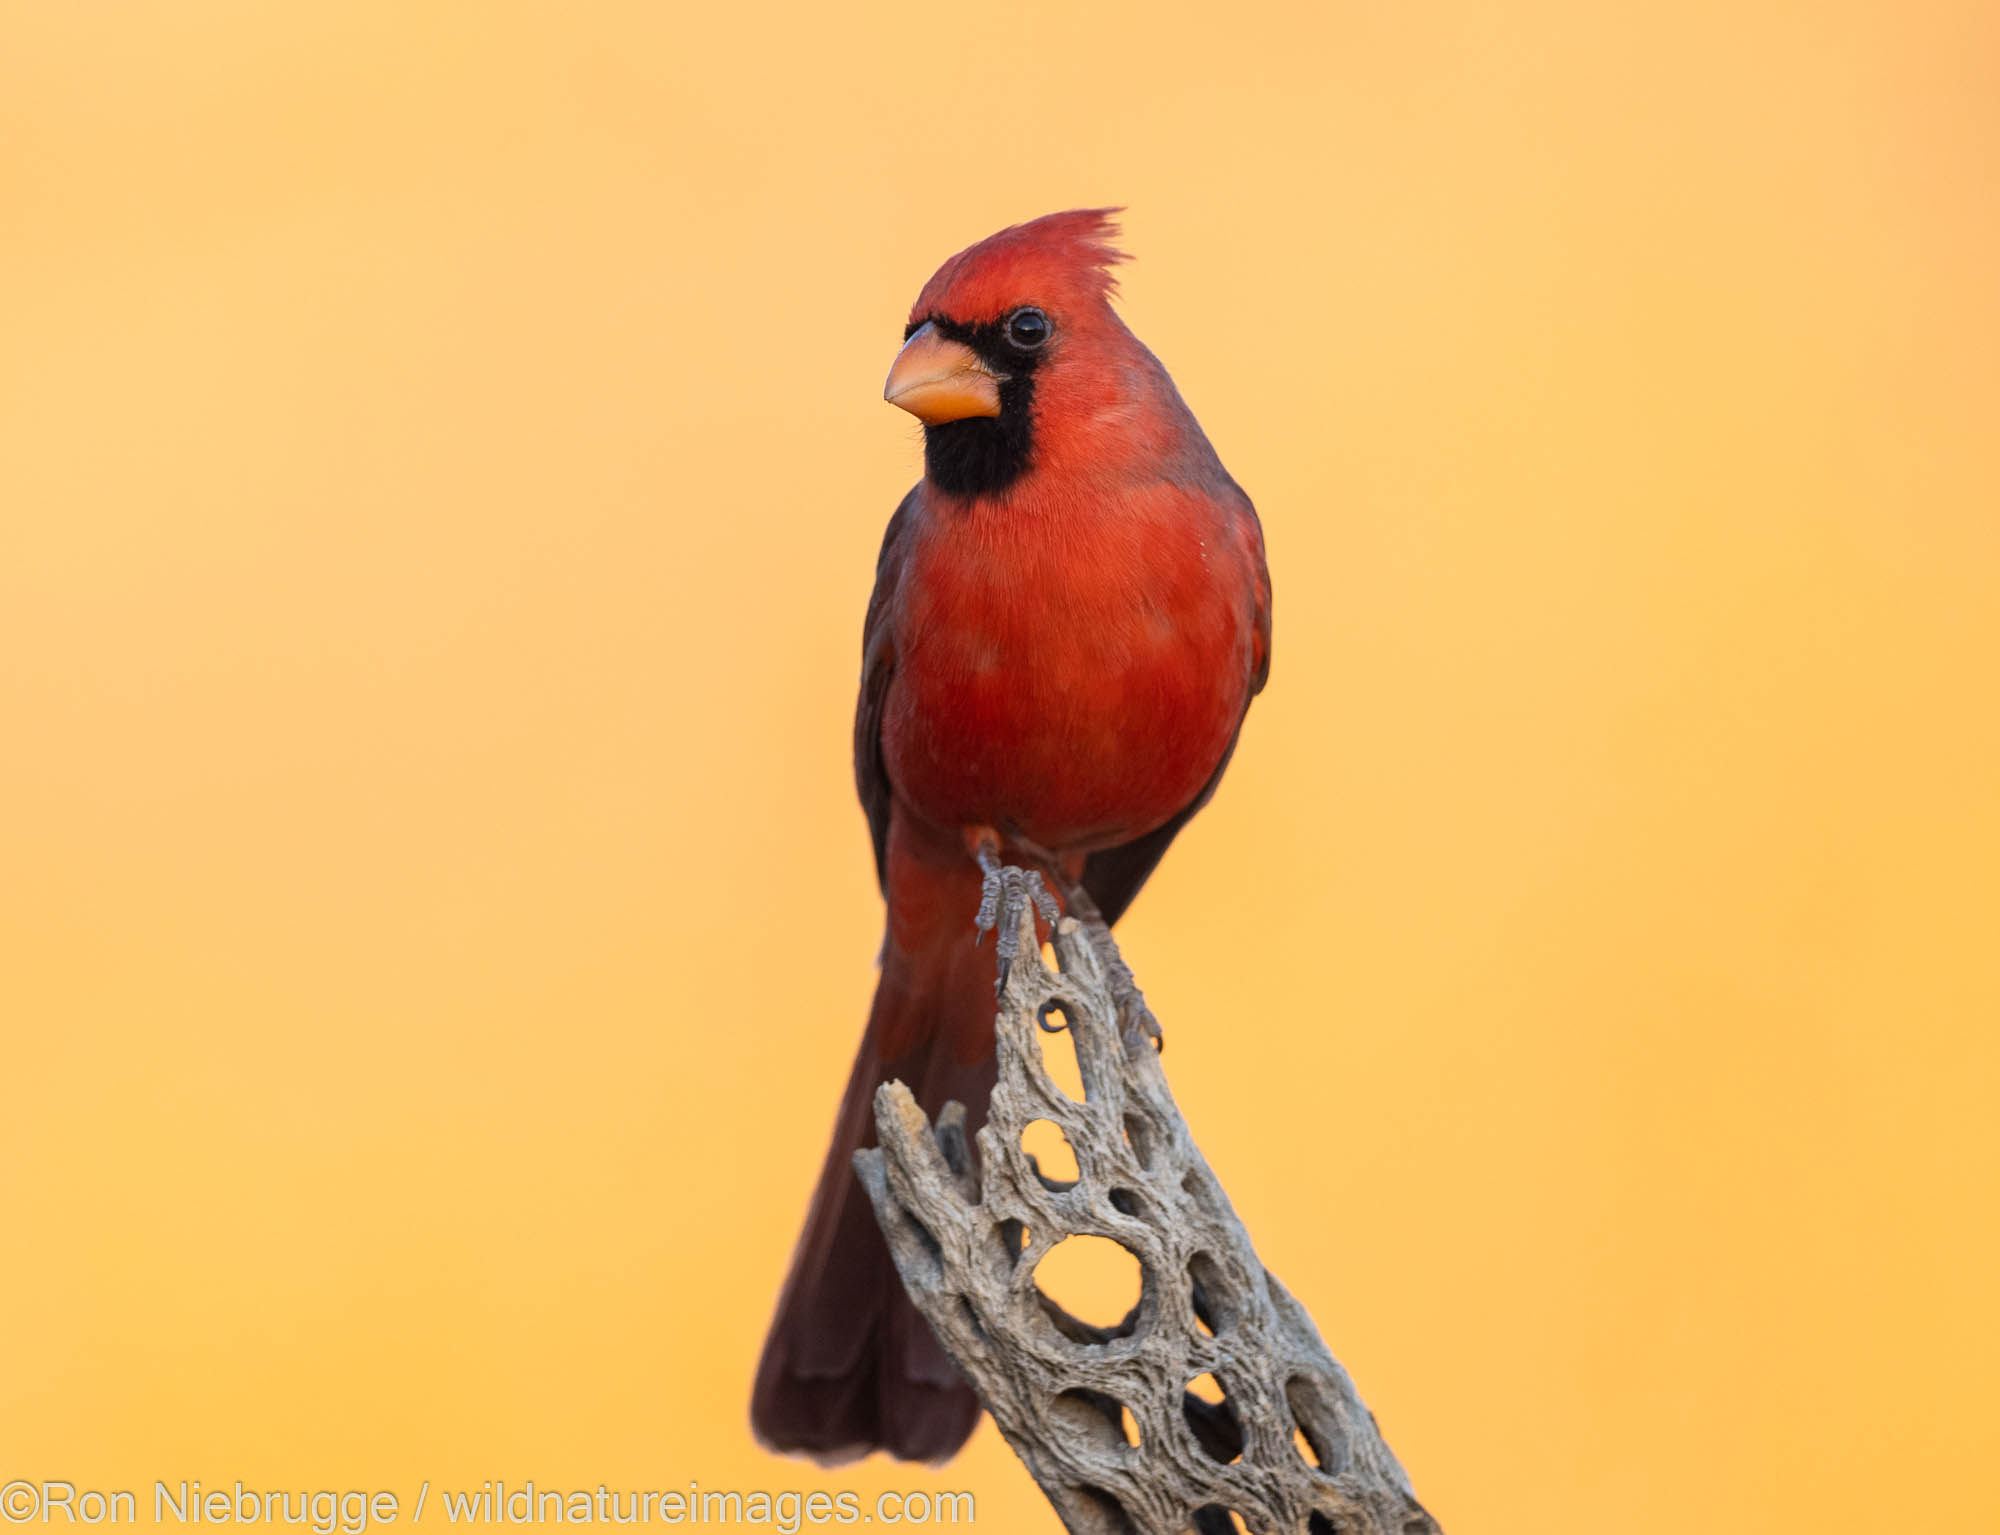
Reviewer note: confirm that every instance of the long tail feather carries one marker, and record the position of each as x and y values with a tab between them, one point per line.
849	1365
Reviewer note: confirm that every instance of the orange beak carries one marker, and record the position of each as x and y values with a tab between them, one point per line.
938	380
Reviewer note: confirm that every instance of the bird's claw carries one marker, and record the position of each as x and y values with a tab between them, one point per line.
1149	1026
1136	1019
1005	893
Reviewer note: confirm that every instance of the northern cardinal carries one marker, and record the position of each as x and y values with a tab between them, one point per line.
1071	615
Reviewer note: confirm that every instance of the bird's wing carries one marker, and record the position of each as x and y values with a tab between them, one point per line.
878	667
1252	532
1113	877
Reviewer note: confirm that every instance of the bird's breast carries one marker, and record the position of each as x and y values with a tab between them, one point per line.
1074	680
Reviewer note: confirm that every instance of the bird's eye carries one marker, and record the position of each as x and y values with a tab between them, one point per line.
1027	328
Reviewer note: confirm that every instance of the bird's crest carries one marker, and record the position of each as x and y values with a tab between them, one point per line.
1062	260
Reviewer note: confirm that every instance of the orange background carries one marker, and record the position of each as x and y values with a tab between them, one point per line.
441	466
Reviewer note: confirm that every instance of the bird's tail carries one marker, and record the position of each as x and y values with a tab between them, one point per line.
850	1365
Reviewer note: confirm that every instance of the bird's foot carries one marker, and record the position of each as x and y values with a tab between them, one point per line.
1133	1013
1135	1019
1005	893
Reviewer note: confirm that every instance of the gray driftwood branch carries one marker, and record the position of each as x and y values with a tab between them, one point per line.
1289	1448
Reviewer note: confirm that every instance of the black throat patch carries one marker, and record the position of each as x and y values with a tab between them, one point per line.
983	455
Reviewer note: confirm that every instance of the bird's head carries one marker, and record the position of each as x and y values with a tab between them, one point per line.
1013	347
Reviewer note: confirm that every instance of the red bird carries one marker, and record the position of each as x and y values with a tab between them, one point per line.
1071	615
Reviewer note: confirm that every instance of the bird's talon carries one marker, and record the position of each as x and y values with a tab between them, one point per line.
1006	893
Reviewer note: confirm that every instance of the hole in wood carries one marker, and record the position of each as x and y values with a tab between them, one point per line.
1093	1279
1304	1446
1208	1291
1094	1511
1125	1202
1318	1524
1049	958
1096	1418
1317	1424
950	1136
1211	1418
1083	1332
1010	1240
1059	1052
1139	1136
1054	1157
1214	1519
1199	1187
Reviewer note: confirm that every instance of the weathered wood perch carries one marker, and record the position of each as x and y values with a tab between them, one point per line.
967	1239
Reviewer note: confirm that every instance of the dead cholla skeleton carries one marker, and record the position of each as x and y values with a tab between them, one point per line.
967	1241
